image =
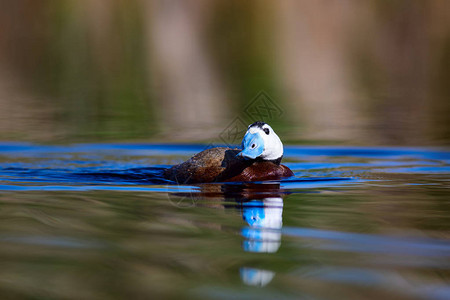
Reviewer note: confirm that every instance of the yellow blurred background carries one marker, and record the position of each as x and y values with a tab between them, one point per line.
347	71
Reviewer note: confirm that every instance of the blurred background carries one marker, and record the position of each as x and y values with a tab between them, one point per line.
351	72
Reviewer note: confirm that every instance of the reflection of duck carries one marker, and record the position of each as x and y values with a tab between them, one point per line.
256	277
265	220
261	205
259	159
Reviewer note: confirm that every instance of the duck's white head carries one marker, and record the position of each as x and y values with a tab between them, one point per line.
260	141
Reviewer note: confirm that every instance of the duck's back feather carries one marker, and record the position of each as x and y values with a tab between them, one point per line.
205	166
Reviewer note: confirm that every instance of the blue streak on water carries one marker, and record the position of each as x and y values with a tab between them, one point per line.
164	189
367	243
25	149
95	166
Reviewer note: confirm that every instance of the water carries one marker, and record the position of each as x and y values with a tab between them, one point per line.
98	221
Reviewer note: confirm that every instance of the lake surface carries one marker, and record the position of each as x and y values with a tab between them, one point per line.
96	221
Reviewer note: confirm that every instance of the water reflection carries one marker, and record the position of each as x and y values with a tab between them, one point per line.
263	234
265	219
256	277
261	206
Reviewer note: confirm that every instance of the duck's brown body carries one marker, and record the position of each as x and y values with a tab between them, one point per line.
221	165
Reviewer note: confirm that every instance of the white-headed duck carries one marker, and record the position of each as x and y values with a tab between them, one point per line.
258	160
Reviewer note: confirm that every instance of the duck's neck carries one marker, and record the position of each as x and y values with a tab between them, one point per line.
275	161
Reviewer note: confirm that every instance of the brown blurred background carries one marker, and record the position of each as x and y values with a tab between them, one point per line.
354	72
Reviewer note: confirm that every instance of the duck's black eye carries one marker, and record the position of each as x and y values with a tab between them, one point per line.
253	146
266	130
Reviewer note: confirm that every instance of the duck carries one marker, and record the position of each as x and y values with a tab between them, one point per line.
258	159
